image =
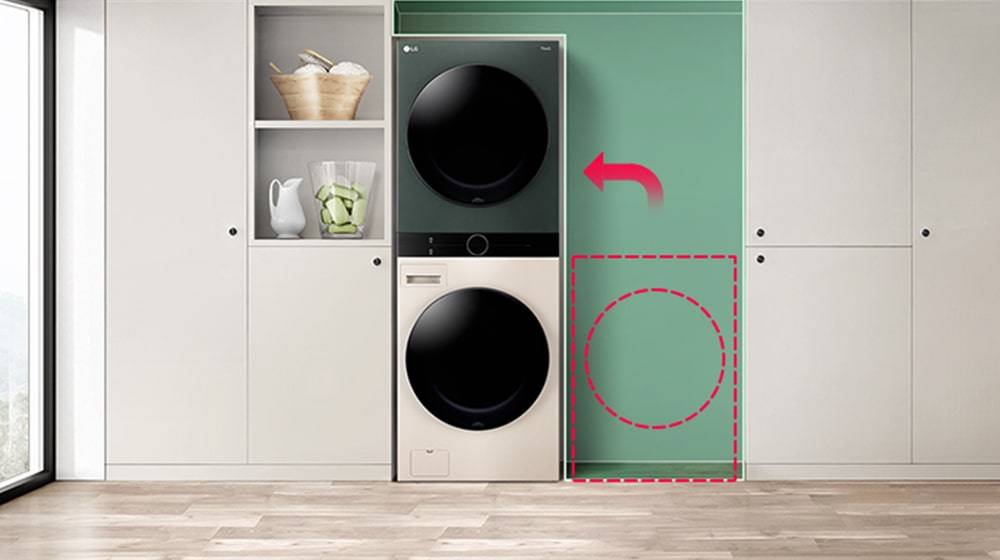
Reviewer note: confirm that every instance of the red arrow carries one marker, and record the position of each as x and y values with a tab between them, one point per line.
598	172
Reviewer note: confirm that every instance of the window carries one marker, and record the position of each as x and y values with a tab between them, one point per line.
26	250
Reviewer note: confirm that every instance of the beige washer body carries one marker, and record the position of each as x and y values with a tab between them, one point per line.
526	449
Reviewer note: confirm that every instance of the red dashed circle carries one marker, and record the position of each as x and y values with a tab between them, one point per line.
613	412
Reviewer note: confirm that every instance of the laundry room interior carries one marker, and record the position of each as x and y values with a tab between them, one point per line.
499	278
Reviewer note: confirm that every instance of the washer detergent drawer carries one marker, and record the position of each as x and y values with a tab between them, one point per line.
429	462
423	275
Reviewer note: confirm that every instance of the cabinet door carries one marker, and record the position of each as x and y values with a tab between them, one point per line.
956	144
828	356
828	122
176	278
320	355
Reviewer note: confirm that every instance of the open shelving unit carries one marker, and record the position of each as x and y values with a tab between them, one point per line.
318	309
355	30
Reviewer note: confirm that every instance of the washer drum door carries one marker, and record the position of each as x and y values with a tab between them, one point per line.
477	358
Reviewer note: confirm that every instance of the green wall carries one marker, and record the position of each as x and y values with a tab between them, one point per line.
657	84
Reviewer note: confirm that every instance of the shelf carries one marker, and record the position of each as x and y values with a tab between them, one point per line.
358	35
312	125
282	148
341	243
283	153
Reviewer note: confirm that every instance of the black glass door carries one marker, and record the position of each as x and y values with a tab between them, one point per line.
477	134
477	358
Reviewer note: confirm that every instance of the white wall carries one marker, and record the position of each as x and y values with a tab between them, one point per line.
80	239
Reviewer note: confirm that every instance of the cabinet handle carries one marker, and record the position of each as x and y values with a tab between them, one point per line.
377	261
925	232
760	259
232	231
760	232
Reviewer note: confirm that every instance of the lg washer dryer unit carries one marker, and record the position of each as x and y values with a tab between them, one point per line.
478	369
478	146
478	184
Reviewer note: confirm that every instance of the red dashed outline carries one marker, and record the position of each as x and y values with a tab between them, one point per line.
735	349
590	380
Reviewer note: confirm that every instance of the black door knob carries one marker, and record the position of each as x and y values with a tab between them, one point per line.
925	232
760	258
232	231
760	232
377	261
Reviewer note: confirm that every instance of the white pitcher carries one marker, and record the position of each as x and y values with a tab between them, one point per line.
287	217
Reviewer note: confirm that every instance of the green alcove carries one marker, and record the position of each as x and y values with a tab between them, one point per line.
658	84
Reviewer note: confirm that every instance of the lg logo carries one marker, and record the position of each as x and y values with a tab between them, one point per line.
410	48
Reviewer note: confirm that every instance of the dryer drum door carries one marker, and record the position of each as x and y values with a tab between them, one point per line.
477	358
477	134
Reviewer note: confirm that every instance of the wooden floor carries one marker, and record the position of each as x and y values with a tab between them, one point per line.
296	521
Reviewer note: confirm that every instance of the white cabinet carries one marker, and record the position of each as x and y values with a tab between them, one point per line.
956	158
320	355
176	184
828	205
847	370
195	133
320	370
828	356
828	122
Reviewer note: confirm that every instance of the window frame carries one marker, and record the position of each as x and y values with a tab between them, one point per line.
48	412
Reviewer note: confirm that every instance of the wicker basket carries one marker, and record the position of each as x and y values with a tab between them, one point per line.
321	96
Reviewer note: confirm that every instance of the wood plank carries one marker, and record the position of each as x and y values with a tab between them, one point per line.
312	520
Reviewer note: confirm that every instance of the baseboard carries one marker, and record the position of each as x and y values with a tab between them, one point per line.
873	472
367	472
